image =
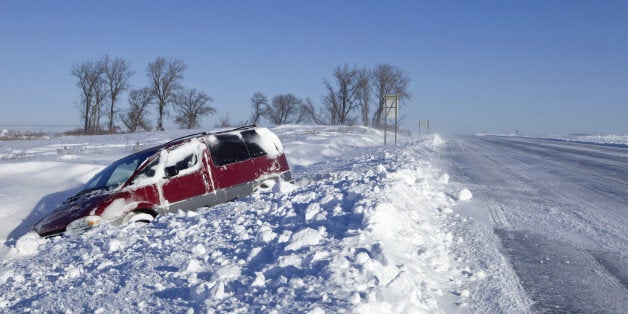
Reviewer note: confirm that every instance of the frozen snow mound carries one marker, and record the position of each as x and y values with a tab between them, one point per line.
465	195
362	231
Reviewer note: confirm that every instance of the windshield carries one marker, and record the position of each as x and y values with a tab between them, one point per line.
116	174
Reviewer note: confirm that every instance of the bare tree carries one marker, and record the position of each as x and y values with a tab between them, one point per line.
313	114
387	80
345	96
224	122
90	77
259	104
190	106
165	78
100	95
364	94
285	109
135	117
117	74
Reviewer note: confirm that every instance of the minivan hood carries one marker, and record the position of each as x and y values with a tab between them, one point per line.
60	217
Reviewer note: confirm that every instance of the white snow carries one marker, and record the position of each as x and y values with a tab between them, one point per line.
304	238
621	139
465	195
364	228
609	139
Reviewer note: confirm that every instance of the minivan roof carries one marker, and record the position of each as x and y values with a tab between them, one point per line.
190	136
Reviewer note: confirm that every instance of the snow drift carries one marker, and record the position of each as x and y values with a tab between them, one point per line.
364	228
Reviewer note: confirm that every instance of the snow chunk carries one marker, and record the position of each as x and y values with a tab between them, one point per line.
229	272
29	243
305	237
265	234
284	237
72	272
218	291
317	310
284	187
380	169
465	195
191	266
114	245
260	280
465	293
290	260
199	250
355	298
312	210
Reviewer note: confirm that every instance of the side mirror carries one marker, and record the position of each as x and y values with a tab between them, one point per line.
171	171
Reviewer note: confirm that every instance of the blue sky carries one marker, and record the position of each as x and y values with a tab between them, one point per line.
539	67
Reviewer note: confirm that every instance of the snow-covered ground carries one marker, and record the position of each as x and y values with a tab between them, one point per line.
364	228
479	224
611	139
620	139
44	130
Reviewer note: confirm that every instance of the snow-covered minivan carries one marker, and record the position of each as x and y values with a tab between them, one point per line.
195	171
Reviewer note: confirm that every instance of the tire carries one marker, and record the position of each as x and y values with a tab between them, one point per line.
139	216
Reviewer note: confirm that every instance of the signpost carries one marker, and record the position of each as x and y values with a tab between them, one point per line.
425	125
391	111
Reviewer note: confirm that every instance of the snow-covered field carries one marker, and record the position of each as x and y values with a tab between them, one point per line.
364	228
476	224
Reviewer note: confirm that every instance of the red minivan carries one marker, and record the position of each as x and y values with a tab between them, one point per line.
198	170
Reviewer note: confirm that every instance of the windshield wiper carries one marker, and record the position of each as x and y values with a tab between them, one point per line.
83	192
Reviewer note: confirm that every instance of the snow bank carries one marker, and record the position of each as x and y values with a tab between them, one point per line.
29	190
312	144
600	139
362	230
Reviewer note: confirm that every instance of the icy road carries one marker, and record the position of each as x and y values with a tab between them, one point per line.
559	210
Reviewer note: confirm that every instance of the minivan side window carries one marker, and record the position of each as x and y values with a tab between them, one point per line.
227	149
183	158
147	173
251	140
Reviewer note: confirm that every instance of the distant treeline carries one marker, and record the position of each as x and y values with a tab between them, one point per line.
355	95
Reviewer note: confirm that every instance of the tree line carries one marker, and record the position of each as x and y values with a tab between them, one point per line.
355	95
102	81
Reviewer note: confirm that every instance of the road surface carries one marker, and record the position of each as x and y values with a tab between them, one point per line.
560	212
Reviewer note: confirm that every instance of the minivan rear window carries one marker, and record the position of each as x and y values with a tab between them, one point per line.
251	140
227	149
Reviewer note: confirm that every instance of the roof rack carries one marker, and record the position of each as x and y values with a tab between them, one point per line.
187	136
238	128
205	133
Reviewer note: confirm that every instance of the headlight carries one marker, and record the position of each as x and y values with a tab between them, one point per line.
84	223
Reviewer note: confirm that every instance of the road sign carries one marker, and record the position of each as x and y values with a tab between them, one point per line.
391	107
424	125
391	110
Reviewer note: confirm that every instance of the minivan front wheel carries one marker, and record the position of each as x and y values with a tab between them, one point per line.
138	216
